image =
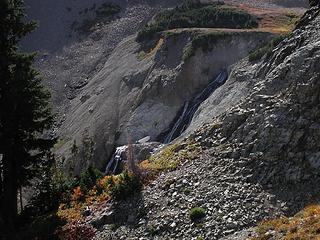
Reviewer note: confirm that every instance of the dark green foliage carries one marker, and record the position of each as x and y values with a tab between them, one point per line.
54	188
62	186
46	198
25	114
43	227
126	185
196	14
197	213
108	9
88	179
204	41
267	49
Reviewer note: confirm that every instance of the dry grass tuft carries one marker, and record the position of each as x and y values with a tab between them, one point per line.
277	21
170	157
304	225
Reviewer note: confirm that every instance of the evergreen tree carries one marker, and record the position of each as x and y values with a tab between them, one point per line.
24	111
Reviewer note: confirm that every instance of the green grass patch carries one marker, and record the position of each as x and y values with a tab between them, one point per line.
197	213
170	157
201	15
167	159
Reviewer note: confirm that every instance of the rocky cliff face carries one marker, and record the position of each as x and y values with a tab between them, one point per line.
143	96
109	89
258	134
259	158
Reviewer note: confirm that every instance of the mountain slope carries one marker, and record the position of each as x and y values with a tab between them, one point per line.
103	82
259	159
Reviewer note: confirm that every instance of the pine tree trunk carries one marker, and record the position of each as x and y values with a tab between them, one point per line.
9	205
1	179
20	198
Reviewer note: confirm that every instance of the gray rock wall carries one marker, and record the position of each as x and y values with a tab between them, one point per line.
260	158
133	97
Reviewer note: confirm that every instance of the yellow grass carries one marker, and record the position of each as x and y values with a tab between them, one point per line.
170	157
304	225
273	20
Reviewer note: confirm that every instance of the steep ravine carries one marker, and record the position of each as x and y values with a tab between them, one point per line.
260	158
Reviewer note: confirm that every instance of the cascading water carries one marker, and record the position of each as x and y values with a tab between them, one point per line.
115	160
190	108
180	125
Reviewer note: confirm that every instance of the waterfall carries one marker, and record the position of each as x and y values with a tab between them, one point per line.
177	124
190	108
115	160
184	120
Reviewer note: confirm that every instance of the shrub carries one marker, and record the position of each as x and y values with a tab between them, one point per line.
77	195
109	187
197	14
152	230
267	49
63	185
52	189
124	185
88	179
204	41
167	159
43	227
197	213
